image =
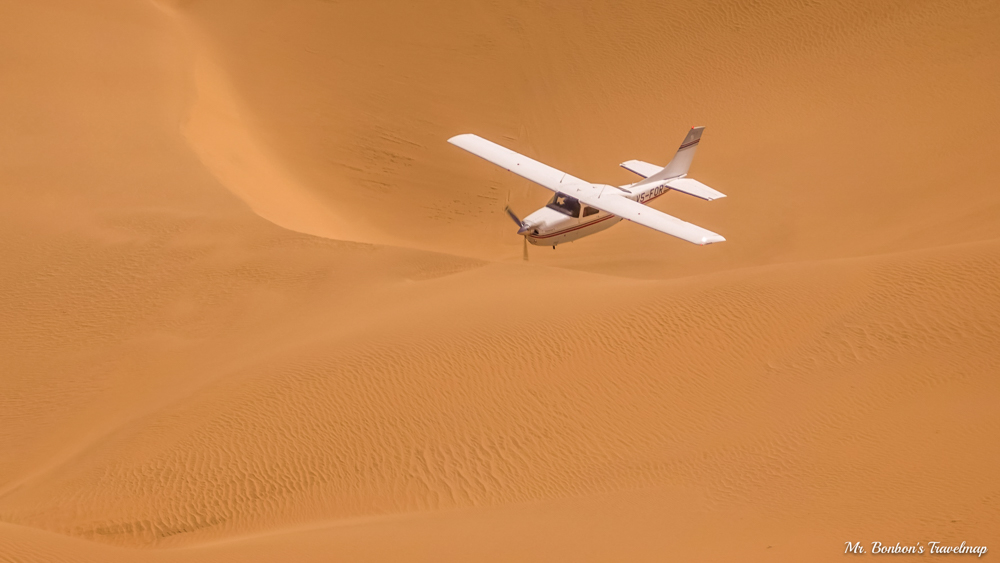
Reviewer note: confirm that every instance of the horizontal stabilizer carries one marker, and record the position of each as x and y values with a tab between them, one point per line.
641	168
693	187
689	186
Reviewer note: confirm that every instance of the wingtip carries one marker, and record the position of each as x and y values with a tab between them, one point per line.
458	139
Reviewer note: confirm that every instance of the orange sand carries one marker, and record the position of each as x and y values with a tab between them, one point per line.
254	308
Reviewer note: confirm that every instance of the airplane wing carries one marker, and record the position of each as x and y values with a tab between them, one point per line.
542	174
649	217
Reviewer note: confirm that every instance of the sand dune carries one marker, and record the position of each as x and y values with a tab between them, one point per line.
826	125
255	308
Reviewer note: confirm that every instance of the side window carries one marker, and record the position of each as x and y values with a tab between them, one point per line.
565	204
588	210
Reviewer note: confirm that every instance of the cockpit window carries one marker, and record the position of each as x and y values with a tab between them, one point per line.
588	211
565	204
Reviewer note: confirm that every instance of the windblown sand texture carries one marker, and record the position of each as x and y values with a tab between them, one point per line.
253	307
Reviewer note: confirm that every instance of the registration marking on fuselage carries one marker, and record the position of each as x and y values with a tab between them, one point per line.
653	193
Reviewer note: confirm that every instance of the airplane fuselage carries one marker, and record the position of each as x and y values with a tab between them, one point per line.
570	220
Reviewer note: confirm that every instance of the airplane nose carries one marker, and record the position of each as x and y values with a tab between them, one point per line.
530	228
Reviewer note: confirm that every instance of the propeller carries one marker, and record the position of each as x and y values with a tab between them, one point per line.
522	229
522	226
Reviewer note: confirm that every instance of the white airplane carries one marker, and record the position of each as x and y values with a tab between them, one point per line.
580	208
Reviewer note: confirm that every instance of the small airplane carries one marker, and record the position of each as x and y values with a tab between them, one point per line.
579	208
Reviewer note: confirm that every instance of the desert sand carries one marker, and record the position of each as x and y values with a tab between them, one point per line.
253	307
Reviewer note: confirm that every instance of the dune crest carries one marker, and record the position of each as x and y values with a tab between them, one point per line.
220	133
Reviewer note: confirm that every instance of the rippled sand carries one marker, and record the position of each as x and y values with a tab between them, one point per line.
253	307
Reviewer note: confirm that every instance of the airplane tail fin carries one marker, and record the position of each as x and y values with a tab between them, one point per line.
685	154
682	160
